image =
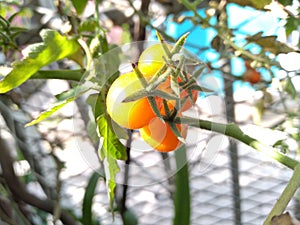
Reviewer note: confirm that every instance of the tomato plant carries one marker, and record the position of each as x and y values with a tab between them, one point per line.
160	80
139	113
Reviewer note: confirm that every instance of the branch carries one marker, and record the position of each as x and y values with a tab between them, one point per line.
75	75
146	21
285	196
234	131
18	189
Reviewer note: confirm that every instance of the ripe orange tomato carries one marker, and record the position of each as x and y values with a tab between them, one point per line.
160	136
131	115
151	59
251	75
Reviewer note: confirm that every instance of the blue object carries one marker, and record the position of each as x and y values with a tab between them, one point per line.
243	21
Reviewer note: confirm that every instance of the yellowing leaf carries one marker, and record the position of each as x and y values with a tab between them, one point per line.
270	43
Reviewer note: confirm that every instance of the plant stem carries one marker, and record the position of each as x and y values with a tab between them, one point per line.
182	202
74	75
89	57
285	196
234	131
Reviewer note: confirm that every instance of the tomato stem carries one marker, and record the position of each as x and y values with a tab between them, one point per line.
285	196
139	75
234	131
164	46
176	49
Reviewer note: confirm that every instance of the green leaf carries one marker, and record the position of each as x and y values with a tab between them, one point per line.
92	131
88	25
129	218
54	47
97	103
111	146
111	150
292	24
79	5
56	106
119	131
87	215
67	94
111	170
44	115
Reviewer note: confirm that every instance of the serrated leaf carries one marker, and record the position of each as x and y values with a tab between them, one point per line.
56	106
111	170
111	145
269	43
44	115
110	151
79	5
87	215
54	47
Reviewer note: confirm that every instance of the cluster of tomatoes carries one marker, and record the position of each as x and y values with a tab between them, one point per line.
139	113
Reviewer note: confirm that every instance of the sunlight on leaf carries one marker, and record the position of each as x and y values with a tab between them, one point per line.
54	47
111	145
110	151
58	105
79	5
